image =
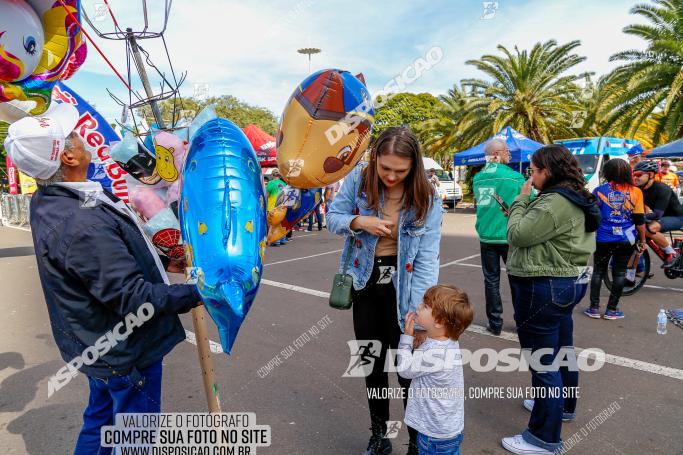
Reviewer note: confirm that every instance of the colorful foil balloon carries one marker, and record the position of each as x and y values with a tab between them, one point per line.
160	222
324	129
157	205
223	222
135	159
170	153
292	206
40	44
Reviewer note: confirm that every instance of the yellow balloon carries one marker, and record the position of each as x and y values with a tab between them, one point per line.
324	129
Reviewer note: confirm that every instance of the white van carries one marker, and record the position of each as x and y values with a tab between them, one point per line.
449	191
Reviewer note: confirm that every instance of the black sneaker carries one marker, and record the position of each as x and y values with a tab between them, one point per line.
378	446
669	260
493	331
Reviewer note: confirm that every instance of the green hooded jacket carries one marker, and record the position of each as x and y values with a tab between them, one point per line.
499	179
548	237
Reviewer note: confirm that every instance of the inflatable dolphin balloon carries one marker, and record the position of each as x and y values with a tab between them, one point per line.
223	223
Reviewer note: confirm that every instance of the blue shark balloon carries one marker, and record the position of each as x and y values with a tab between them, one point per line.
223	223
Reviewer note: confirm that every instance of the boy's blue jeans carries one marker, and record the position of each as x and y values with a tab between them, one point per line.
543	313
111	396
433	446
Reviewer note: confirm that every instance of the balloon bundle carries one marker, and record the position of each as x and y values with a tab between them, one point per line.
154	177
40	44
324	130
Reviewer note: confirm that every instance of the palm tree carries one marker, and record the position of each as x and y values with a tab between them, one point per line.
448	131
647	129
594	96
650	81
528	91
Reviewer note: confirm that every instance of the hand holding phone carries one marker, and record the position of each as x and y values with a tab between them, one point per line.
503	206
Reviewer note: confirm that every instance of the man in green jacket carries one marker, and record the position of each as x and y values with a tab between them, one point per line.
496	180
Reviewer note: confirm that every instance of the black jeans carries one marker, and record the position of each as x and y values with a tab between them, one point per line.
491	254
619	252
375	318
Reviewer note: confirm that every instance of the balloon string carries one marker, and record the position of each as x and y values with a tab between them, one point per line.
111	13
73	18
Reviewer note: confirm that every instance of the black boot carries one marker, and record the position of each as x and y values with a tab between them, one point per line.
412	449
378	444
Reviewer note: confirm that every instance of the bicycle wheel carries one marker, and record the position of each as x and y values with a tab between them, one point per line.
642	274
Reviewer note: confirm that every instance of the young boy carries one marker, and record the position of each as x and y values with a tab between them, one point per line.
436	396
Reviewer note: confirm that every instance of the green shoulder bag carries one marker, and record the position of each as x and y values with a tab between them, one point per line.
342	285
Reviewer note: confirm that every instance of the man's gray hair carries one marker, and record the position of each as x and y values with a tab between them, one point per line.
58	176
493	144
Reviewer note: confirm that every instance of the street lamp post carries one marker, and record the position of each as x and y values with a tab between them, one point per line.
309	51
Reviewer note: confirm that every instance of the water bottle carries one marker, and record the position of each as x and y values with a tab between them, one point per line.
661	322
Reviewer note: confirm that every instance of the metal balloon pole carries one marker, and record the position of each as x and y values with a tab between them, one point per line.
169	89
142	72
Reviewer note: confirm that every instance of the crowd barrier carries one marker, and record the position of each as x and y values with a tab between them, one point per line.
14	209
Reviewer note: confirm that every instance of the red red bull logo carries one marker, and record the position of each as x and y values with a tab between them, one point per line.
88	128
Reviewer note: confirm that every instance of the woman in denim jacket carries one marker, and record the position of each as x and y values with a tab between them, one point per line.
392	216
551	240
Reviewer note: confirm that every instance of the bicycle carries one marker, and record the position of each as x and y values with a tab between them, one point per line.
645	264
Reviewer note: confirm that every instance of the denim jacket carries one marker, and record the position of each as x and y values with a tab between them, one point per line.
418	245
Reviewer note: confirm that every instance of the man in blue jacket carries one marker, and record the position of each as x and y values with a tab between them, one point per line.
113	314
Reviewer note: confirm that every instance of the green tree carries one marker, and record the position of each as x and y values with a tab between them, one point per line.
404	109
227	106
592	120
527	90
448	131
650	81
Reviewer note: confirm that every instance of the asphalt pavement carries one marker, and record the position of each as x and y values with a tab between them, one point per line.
309	406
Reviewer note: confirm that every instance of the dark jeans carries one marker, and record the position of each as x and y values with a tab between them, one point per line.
375	318
318	217
543	313
619	253
491	255
111	396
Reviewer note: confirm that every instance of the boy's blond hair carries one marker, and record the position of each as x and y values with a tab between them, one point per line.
451	307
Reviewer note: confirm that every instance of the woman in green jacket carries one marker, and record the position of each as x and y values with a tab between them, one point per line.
551	240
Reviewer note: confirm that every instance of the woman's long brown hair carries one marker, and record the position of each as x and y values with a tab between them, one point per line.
418	194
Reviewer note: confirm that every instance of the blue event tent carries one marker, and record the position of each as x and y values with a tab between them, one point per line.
674	148
521	147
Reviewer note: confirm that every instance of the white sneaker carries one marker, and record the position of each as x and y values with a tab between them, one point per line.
517	444
529	406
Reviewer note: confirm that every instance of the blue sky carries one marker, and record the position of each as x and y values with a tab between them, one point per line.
248	49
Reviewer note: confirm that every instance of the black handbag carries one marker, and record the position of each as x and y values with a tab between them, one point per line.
341	296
